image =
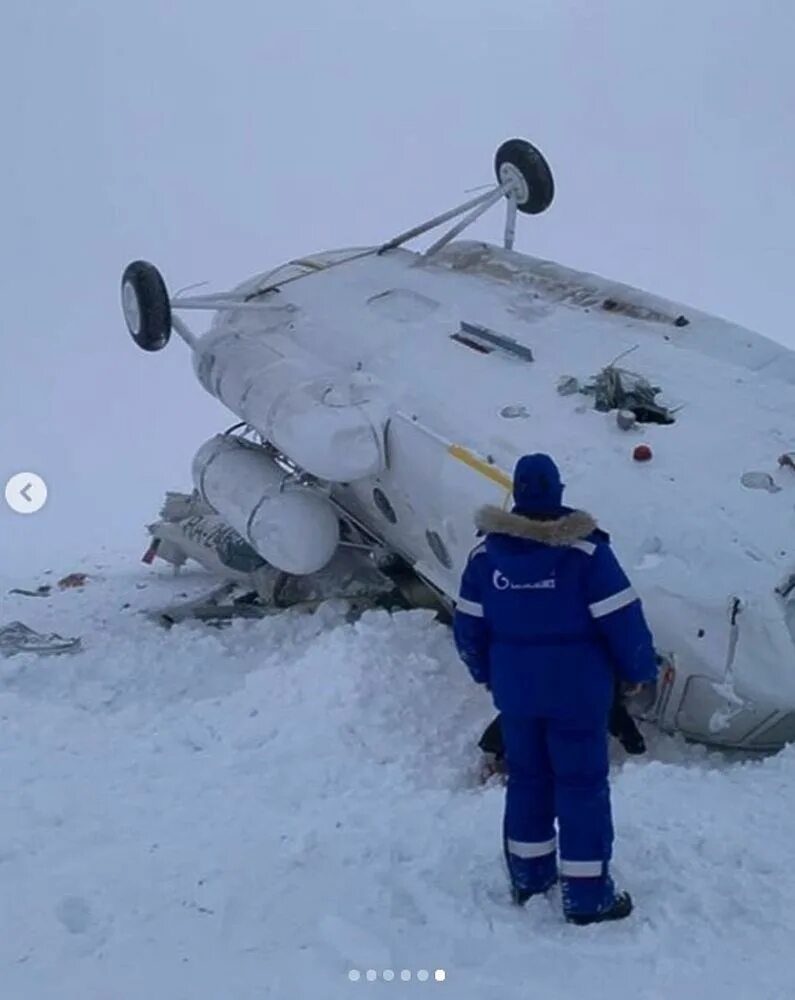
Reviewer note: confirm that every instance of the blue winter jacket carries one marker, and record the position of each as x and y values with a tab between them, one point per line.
547	618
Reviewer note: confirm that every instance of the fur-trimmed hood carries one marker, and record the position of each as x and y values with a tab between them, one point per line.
571	526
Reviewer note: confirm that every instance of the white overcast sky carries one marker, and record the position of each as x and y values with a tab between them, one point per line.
218	139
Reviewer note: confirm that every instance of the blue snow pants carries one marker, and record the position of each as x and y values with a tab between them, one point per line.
558	769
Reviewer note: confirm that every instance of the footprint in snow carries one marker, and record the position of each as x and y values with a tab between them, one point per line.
74	913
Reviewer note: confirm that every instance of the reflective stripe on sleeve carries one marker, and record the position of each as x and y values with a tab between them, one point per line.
469	607
478	550
587	547
614	603
581	869
530	849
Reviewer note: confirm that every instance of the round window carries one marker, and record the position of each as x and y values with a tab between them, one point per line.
439	549
381	501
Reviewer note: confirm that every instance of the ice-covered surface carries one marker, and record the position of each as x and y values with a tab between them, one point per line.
253	812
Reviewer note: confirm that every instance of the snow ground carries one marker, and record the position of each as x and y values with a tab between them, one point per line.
199	814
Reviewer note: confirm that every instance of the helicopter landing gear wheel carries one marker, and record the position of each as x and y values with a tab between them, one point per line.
146	305
524	173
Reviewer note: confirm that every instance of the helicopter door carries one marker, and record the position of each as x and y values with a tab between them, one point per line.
440	485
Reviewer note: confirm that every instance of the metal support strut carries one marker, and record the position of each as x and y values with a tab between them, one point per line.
491	198
471	211
439	220
510	222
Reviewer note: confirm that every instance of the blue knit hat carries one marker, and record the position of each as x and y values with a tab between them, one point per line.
537	488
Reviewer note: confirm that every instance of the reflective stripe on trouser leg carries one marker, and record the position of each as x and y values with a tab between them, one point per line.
530	849
582	869
532	865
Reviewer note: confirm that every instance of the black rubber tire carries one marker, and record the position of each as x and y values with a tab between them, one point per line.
534	170
146	305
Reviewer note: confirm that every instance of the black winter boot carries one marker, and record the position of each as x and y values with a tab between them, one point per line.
620	908
491	740
632	741
623	727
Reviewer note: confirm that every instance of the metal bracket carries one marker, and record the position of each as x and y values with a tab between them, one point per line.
497	341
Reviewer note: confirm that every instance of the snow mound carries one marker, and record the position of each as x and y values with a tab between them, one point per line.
257	810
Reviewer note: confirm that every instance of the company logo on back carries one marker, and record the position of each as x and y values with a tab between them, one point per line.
501	582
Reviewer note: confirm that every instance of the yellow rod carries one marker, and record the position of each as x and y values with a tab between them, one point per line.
484	468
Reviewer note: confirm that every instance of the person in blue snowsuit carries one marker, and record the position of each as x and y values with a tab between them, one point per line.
547	619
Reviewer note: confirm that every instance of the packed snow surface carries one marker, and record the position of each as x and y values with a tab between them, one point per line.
256	811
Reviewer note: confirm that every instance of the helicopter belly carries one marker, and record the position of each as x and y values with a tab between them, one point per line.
415	427
402	388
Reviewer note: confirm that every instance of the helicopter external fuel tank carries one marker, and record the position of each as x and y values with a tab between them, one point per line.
290	524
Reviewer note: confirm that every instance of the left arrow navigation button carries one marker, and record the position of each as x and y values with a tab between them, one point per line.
26	493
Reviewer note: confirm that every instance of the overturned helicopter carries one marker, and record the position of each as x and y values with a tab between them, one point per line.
385	394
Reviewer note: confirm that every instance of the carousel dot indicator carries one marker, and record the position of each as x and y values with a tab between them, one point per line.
423	975
440	975
354	975
405	975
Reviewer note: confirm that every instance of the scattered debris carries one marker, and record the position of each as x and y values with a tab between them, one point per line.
190	529
642	453
177	506
785	588
760	481
73	581
351	576
568	385
618	389
514	412
626	420
149	556
43	591
18	638
222	604
787	460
